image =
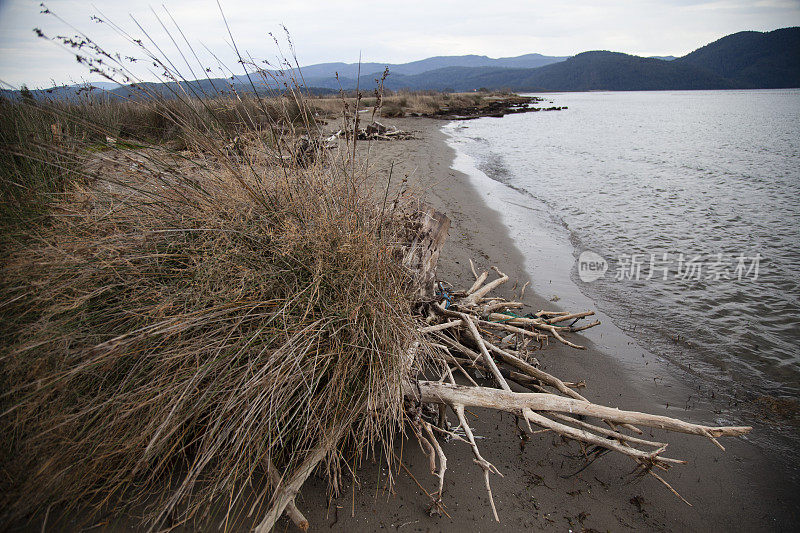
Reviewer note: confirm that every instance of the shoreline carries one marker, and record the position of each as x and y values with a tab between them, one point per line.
743	488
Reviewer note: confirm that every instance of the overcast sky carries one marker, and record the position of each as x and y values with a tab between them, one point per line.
393	32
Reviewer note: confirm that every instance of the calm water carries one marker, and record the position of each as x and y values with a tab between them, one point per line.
640	178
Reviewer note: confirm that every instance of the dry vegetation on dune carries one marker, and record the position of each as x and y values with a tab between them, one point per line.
190	297
201	330
46	143
200	305
402	103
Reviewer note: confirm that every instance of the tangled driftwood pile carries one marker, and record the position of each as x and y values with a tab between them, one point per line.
374	131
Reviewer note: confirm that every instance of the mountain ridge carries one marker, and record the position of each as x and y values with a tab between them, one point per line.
747	57
742	60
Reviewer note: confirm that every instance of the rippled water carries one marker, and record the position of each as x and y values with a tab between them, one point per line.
698	173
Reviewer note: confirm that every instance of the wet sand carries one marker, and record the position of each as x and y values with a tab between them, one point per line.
545	485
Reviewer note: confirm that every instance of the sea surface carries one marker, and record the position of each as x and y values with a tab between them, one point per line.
690	200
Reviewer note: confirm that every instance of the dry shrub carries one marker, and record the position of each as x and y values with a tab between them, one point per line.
183	318
195	333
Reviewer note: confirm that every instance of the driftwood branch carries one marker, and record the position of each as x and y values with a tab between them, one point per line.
291	510
286	492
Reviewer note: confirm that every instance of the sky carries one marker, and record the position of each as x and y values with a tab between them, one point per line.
391	32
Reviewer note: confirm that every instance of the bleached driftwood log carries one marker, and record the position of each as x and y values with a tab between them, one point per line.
515	402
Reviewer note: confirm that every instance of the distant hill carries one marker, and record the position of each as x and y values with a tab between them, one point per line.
66	92
200	88
434	63
752	59
744	60
324	74
610	71
325	71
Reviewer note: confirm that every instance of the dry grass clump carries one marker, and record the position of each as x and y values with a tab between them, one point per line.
176	321
42	142
31	172
163	348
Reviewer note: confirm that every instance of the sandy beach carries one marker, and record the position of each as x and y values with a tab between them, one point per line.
544	483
